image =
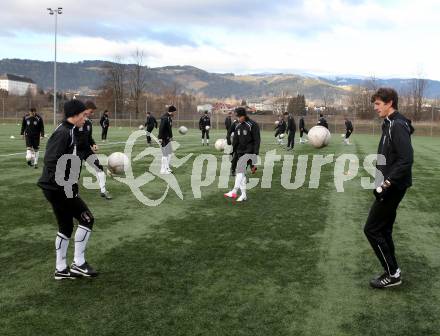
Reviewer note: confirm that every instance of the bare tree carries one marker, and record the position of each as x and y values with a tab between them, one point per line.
115	77
418	89
137	79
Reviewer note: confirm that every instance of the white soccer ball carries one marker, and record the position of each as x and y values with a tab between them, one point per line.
282	135
12	137
183	130
117	162
343	135
207	128
141	127
277	122
220	144
319	136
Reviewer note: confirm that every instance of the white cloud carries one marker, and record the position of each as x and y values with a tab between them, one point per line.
336	36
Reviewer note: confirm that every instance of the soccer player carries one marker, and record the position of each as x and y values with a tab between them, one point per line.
280	129
105	124
302	130
291	128
348	130
165	136
396	178
246	140
32	128
229	138
322	121
228	121
65	205
150	124
86	147
205	125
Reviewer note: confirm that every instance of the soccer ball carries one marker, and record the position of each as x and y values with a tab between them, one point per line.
277	122
141	127
12	137
207	128
220	144
117	162
282	135
183	130
319	136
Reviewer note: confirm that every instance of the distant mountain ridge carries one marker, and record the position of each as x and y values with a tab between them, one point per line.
89	75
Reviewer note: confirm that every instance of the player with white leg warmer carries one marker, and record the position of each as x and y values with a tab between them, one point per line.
32	128
246	142
165	137
87	147
63	195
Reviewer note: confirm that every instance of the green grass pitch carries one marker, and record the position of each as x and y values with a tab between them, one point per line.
287	262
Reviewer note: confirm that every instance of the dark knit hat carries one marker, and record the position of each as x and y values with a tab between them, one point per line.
73	107
172	108
240	112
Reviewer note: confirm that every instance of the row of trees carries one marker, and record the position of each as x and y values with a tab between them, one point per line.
412	101
125	91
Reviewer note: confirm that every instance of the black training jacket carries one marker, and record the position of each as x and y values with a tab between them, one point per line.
105	121
281	126
83	137
395	145
323	122
228	123
165	128
150	122
246	138
291	124
348	125
32	126
231	132
301	124
62	141
204	121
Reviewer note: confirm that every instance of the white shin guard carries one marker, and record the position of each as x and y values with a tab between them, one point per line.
101	180
82	236
61	245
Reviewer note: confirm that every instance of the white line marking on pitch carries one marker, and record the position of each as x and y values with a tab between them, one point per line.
102	144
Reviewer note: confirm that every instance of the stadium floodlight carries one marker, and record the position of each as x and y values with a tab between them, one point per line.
55	12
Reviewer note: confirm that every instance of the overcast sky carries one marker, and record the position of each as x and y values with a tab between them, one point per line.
371	38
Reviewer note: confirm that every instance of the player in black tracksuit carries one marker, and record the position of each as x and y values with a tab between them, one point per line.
228	121
105	124
302	130
291	128
150	124
246	142
86	147
280	129
204	125
396	177
165	136
229	138
348	130
60	187
32	128
322	121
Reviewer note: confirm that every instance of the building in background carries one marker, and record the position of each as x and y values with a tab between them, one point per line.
17	85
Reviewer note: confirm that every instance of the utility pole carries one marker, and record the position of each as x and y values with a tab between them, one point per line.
55	12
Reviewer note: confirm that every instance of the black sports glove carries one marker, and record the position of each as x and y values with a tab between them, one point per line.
383	191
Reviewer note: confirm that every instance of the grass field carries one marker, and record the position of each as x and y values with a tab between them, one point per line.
287	262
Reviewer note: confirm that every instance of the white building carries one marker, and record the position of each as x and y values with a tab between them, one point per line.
203	108
17	85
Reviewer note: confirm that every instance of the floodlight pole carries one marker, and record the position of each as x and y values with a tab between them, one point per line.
55	12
